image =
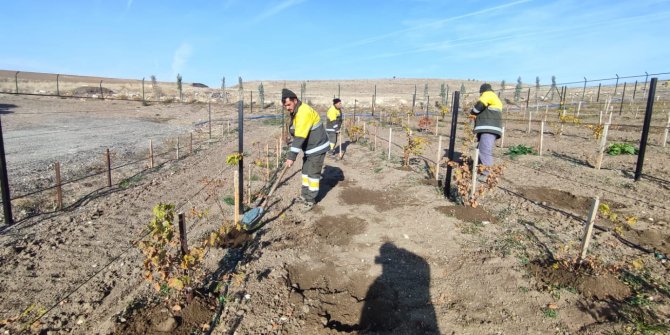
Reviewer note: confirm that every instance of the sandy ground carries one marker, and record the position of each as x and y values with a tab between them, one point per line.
383	252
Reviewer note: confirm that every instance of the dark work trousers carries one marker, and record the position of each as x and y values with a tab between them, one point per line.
311	176
332	138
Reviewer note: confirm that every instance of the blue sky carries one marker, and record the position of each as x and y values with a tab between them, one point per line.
309	39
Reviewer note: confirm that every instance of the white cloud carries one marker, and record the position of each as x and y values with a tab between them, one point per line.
180	58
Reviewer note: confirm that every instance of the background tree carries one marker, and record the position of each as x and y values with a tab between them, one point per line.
179	86
502	88
462	88
223	89
303	89
552	88
443	94
154	87
261	96
425	97
517	89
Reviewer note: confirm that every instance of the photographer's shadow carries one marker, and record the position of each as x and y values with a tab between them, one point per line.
398	302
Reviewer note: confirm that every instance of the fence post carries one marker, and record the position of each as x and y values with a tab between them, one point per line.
240	150
616	85
177	147
623	95
102	94
439	157
109	168
236	192
390	137
584	89
665	132
541	136
16	81
209	113
4	182
645	128
59	191
452	141
598	95
475	171
588	229
182	234
151	155
57	85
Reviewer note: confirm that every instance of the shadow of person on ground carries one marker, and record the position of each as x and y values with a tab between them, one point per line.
6	108
329	178
398	301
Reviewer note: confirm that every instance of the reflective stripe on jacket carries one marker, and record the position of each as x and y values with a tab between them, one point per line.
309	133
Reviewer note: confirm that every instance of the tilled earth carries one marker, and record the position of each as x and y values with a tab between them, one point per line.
383	252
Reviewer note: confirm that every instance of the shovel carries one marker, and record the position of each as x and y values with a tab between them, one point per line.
252	216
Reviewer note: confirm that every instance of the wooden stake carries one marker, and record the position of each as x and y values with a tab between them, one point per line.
665	132
579	107
530	118
390	137
177	147
475	164
602	146
59	190
502	138
267	162
249	185
277	152
191	144
439	158
541	136
437	124
109	168
588	229
600	117
375	147
151	154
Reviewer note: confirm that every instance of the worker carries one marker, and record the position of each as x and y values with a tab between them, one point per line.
334	123
309	136
488	126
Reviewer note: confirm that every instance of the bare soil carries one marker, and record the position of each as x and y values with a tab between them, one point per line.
383	252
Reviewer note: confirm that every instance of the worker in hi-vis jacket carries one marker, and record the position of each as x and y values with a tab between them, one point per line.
309	136
488	124
334	123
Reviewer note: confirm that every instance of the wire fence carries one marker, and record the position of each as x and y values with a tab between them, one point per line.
566	109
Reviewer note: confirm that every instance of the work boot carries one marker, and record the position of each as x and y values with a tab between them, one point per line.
307	206
299	200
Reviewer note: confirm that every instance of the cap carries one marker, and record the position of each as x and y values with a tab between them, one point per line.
286	93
